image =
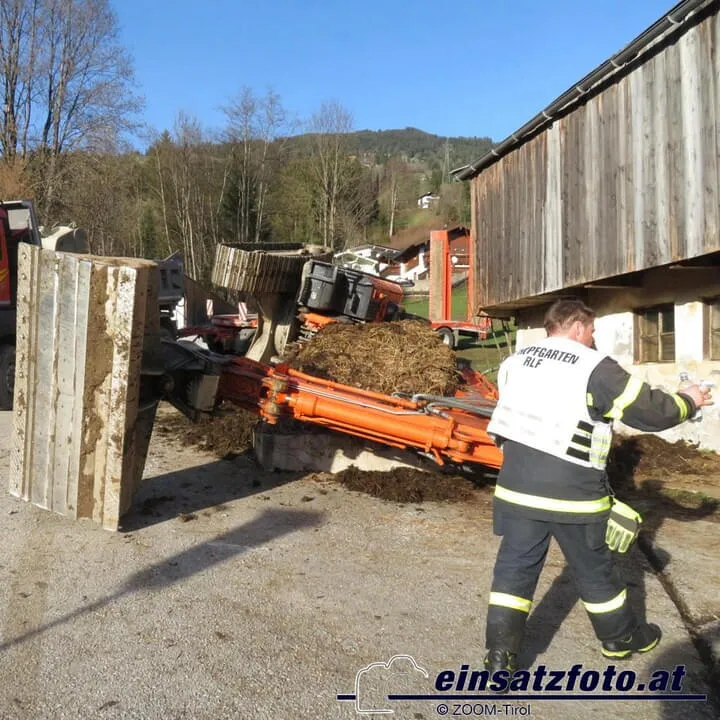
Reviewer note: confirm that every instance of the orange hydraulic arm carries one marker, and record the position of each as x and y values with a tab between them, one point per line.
446	428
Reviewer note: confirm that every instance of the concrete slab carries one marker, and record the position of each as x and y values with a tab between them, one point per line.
688	554
709	635
325	451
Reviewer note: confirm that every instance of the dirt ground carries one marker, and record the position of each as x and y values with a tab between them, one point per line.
234	593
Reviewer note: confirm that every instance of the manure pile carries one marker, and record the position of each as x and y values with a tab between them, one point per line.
641	457
408	485
404	356
225	435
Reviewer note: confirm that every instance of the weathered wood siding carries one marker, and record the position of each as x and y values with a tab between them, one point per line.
624	182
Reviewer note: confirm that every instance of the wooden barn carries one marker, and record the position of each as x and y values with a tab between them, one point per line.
612	193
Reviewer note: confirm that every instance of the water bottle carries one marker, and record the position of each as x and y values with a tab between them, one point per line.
703	384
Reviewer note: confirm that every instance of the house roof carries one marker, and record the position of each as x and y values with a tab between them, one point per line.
615	67
418	236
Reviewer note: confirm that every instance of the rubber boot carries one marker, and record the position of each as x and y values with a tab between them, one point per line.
644	638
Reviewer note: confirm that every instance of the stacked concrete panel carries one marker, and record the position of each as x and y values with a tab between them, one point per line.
81	432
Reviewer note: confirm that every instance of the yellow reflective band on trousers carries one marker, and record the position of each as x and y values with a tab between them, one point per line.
544	503
510	601
617	602
626	397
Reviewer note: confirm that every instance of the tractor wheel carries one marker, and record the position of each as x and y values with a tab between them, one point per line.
447	336
7	376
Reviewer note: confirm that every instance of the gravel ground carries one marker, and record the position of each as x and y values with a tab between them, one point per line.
233	593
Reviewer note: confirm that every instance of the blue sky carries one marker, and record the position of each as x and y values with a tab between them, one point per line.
469	67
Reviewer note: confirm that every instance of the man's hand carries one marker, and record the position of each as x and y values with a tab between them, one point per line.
701	395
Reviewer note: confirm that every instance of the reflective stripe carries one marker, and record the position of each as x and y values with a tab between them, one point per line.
626	397
682	405
589	399
617	602
602	441
616	653
545	503
583	444
510	601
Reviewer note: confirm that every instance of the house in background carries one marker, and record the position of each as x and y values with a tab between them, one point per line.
412	261
427	200
612	194
373	259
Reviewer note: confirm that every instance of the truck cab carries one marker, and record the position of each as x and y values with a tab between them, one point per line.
17	224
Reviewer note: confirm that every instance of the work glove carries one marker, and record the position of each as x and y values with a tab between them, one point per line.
623	527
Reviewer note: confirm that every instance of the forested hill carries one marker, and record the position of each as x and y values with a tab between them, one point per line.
413	145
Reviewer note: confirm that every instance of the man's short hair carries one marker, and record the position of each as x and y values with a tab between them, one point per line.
563	313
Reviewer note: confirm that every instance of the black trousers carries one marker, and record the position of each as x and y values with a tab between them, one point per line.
520	560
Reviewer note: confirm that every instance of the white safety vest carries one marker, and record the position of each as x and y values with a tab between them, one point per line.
543	402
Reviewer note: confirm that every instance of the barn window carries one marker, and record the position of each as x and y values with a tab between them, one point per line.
712	324
655	334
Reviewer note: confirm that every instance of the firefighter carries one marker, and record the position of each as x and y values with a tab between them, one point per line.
558	398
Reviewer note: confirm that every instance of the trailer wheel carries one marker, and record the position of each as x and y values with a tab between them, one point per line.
7	376
447	336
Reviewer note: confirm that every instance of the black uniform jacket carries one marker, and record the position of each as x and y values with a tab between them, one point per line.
533	472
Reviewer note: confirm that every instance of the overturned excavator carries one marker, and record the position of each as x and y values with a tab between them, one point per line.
122	374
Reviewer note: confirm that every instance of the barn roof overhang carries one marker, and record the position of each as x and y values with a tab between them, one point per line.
675	21
628	281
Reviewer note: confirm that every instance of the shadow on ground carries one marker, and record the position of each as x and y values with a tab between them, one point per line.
203	488
265	528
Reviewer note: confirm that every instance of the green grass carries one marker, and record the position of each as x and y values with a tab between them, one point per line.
418	305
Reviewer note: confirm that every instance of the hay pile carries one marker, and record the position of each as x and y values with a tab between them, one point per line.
404	356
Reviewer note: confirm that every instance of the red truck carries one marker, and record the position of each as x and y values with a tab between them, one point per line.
18	223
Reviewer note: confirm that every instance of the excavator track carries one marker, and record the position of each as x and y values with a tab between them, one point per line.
259	268
271	273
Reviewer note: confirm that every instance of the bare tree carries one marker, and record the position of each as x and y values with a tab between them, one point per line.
20	22
394	170
254	128
67	83
271	122
329	127
240	114
188	179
